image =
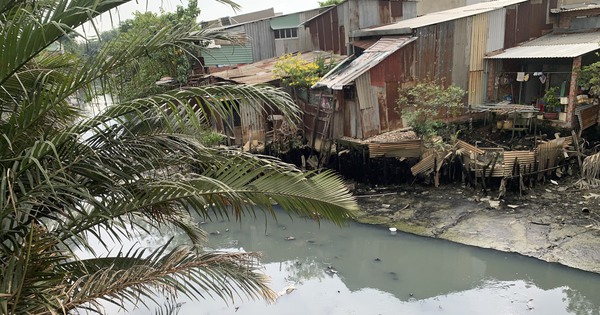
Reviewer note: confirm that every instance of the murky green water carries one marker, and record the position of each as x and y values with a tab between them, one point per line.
362	269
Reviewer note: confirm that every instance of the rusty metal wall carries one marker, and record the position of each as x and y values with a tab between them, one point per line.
526	21
261	34
332	30
369	106
434	52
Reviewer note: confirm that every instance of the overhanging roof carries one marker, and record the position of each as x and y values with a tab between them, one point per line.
554	46
346	73
549	51
406	26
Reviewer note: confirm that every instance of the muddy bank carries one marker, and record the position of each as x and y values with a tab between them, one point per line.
554	223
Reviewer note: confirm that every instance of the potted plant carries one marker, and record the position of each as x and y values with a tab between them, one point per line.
551	103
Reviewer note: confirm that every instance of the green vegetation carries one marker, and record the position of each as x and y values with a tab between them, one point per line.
330	2
297	72
551	100
425	105
70	182
589	78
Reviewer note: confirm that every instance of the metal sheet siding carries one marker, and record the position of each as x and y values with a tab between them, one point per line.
462	49
368	13
252	123
434	52
260	32
228	55
496	28
478	48
409	10
369	109
510	30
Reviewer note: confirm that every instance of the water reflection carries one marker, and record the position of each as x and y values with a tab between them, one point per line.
362	269
402	272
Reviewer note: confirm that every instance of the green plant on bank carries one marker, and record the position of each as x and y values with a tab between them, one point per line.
71	184
551	100
297	72
425	105
589	78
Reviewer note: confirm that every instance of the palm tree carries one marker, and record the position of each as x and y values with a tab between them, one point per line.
136	167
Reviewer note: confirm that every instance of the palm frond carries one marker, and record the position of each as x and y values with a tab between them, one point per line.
185	269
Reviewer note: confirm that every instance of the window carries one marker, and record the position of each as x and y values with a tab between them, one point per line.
286	33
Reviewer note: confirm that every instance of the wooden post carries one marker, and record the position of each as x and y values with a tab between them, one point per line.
573	91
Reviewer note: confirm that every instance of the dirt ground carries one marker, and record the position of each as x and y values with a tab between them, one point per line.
555	221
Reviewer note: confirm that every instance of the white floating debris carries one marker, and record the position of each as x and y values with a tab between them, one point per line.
289	289
512	206
393	230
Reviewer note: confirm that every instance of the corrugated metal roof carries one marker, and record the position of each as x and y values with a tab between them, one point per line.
444	16
227	55
554	46
364	44
262	71
548	51
576	7
346	74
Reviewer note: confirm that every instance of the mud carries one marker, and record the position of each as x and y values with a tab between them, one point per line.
554	223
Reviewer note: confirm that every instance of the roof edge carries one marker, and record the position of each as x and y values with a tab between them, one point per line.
370	32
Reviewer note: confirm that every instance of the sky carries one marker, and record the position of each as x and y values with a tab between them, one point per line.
211	9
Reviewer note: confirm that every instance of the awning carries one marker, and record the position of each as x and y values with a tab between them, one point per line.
547	51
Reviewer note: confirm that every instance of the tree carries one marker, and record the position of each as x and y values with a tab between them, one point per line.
136	167
330	2
426	104
297	72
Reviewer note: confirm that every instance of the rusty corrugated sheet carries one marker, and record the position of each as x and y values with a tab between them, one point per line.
554	45
525	160
587	115
424	166
375	54
405	148
369	109
468	147
430	161
548	154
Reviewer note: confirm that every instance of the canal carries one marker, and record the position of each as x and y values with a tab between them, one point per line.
362	269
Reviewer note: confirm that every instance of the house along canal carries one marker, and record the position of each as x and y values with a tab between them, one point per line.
363	269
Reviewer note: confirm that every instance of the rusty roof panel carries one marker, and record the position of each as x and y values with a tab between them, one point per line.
525	160
345	75
406	148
